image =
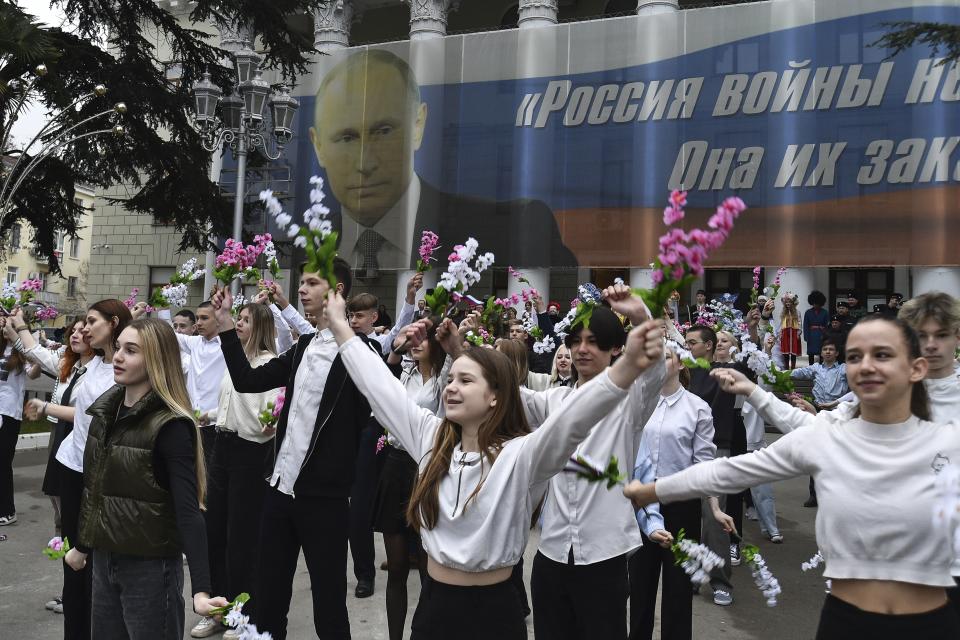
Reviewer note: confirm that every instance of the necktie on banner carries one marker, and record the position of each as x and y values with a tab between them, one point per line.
369	244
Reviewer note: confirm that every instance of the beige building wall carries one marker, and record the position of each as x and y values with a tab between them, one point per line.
68	291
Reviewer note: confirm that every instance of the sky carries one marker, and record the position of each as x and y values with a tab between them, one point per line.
33	118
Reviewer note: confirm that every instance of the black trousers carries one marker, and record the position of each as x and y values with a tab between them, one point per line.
362	497
840	620
235	490
676	616
445	612
9	434
319	527
77	585
953	595
579	602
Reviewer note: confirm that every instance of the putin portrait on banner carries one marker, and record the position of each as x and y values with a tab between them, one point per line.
369	121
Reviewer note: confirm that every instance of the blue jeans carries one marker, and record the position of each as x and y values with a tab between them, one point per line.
136	598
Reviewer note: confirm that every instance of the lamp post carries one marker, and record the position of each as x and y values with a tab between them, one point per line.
240	121
24	163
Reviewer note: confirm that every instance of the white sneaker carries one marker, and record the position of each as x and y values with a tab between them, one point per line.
52	603
231	634
58	608
10	519
205	628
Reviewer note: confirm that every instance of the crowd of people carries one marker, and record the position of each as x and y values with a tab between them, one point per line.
235	439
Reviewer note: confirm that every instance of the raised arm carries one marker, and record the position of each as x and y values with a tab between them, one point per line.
292	317
781	460
549	447
247	379
284	337
412	425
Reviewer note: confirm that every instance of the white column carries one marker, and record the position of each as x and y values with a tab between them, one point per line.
800	281
403	275
640	278
331	26
216	165
537	13
428	18
539	279
652	7
925	279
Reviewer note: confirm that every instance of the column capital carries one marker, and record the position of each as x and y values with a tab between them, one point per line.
331	26
537	13
650	7
428	18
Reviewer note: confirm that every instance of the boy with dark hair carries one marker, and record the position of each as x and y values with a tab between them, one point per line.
580	570
307	503
185	322
829	377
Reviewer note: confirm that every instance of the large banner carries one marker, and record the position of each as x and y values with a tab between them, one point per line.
558	146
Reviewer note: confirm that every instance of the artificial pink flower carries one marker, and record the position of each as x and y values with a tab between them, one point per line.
672	215
678	199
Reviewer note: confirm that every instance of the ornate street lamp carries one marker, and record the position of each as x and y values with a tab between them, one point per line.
240	123
11	179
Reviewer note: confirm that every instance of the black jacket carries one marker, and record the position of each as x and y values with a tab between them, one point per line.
519	232
329	467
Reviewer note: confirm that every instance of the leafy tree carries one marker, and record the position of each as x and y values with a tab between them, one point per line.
159	156
939	37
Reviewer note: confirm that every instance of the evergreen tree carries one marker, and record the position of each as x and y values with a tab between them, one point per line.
159	156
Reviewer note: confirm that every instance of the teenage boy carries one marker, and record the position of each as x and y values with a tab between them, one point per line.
829	377
731	439
362	311
837	332
579	582
307	501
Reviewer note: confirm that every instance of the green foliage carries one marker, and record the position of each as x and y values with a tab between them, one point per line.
779	381
942	39
159	160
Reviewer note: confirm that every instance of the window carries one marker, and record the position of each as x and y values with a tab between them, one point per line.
13	275
72	287
872	285
60	237
159	277
74	247
42	277
15	237
738	281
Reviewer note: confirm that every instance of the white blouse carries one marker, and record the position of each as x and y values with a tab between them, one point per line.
491	531
94	383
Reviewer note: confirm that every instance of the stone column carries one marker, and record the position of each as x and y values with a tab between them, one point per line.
428	18
539	279
537	13
640	278
331	27
926	279
652	7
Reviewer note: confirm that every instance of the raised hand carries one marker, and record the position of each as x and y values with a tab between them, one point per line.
414	284
411	335
645	344
732	381
623	301
222	301
449	338
138	310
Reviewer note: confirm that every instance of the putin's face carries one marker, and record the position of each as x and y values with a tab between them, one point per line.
366	130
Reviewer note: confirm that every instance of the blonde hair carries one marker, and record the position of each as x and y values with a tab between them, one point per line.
161	357
263	331
554	374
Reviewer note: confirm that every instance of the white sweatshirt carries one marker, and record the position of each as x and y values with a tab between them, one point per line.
875	488
491	531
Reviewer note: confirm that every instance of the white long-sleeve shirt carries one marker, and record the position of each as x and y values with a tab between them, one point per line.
679	433
491	531
240	412
94	383
403	319
207	370
596	523
875	489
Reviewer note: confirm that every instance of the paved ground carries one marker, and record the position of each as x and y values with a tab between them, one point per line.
28	579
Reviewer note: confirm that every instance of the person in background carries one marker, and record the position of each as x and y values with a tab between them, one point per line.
241	457
857	311
14	371
815	321
836	332
789	330
185	323
693	311
892	308
563	373
829	377
144	486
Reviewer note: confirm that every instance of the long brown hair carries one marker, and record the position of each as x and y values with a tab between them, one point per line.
161	356
15	361
919	399
505	422
437	355
517	352
70	357
263	332
111	308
